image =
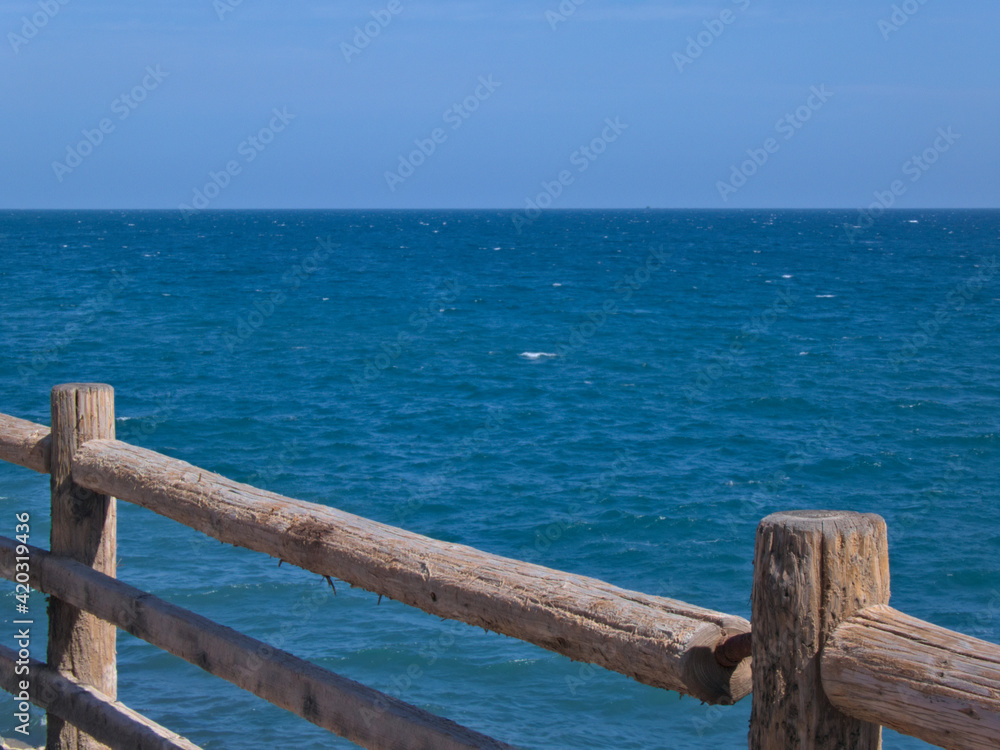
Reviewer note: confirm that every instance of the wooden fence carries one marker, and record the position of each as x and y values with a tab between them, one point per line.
832	662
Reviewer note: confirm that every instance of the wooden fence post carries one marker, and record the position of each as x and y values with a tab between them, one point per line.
83	528
812	569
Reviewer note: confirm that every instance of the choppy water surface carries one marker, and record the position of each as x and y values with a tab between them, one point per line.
617	394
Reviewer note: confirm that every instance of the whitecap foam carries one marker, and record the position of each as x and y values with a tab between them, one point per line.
536	355
825	296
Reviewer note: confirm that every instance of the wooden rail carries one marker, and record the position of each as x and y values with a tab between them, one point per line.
362	715
85	707
660	642
25	443
833	663
892	669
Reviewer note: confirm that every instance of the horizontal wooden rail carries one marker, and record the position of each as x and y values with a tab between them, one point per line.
922	680
657	641
25	443
84	707
363	715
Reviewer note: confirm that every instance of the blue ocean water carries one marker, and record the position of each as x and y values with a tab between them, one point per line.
622	394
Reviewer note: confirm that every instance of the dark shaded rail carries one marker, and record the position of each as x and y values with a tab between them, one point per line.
350	709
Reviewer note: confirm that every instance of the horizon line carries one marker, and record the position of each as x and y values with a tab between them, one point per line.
509	209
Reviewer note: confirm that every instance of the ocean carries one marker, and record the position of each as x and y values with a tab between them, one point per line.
620	394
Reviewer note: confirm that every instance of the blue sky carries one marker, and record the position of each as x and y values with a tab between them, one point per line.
687	125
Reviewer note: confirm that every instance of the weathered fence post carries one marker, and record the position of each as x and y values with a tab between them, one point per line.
812	569
83	528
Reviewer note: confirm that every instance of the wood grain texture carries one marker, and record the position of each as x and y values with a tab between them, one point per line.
83	528
98	715
657	641
25	443
363	715
919	679
812	569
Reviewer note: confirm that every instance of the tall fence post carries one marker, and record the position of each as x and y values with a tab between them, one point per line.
812	569
83	528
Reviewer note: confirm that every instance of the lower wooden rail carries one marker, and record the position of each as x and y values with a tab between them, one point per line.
363	715
889	668
88	709
657	641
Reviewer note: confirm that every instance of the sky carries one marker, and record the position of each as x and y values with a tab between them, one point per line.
468	104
